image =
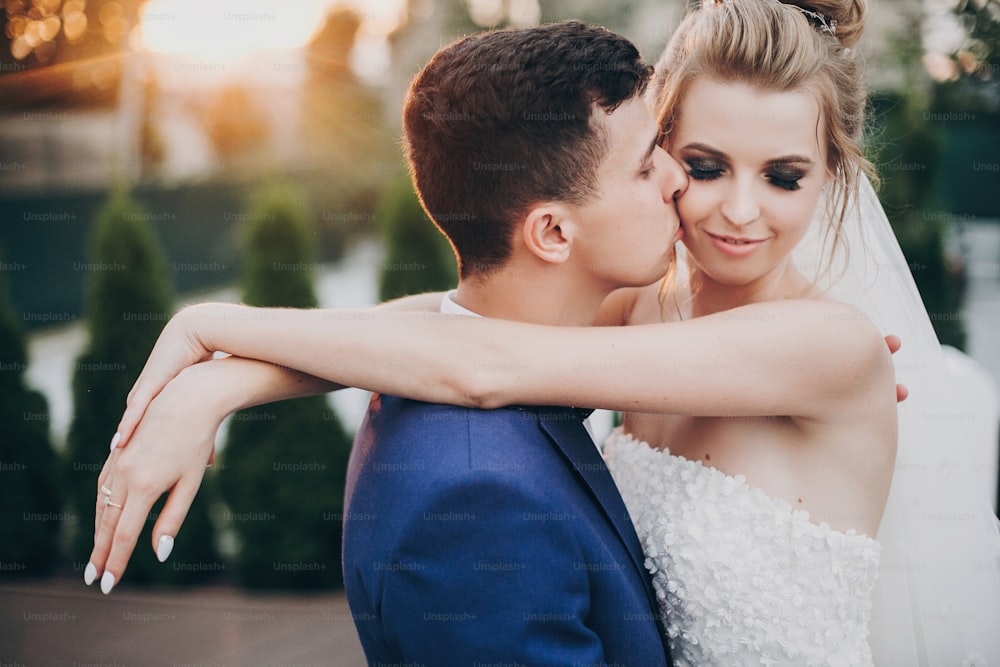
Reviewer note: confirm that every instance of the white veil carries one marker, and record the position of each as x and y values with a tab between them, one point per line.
937	601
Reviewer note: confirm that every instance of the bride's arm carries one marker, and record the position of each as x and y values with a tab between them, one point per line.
266	385
798	358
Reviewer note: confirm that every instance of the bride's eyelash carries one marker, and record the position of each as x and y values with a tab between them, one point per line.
704	170
785	180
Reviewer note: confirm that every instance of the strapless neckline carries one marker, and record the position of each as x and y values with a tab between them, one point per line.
739	481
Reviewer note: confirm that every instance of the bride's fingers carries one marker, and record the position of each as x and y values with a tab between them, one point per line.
104	480
142	394
136	403
109	511
894	344
126	427
150	383
172	516
126	532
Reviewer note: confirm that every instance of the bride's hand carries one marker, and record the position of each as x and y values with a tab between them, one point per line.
173	441
894	344
177	348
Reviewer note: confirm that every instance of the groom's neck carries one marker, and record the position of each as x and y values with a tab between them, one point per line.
537	297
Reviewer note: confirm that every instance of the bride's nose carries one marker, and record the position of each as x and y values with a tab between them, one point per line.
739	205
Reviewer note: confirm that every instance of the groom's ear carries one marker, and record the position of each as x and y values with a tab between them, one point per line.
547	231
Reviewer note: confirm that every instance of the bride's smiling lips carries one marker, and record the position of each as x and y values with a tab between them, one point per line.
737	246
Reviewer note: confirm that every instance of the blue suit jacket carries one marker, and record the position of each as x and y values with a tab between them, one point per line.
492	537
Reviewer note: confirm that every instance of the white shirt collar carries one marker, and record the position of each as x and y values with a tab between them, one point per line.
450	307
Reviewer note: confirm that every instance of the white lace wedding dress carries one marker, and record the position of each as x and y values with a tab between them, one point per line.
743	578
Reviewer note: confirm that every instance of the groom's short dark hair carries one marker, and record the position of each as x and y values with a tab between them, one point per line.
500	121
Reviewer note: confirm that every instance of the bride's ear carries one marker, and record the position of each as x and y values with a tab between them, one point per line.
547	232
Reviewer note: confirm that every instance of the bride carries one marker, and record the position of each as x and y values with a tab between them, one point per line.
732	118
758	518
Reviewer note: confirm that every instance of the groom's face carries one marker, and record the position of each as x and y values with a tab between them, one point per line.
628	229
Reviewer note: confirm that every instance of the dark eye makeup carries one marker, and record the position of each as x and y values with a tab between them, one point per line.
704	170
785	178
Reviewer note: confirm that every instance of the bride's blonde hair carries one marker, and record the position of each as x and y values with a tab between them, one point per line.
779	47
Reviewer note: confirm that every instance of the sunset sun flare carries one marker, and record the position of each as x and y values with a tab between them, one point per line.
228	30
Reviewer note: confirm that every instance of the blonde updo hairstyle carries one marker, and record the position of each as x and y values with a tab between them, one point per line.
779	47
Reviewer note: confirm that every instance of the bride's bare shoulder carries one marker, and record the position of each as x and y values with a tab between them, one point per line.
627	305
825	330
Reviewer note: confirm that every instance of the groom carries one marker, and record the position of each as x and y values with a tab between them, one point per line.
499	537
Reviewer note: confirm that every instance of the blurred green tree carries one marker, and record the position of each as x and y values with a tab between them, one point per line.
418	256
283	467
907	152
128	301
31	513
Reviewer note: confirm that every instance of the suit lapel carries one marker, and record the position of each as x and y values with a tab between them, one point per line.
572	439
574	443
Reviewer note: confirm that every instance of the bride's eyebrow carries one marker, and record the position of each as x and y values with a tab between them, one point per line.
787	160
705	149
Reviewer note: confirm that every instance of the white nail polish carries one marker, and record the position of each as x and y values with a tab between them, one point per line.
89	574
164	547
114	440
107	582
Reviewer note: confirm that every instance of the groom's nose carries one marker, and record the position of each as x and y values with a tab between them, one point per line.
675	179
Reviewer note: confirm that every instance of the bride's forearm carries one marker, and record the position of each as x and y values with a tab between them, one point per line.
256	382
407	353
241	383
216	388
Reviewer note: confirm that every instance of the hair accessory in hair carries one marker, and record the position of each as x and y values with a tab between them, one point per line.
825	24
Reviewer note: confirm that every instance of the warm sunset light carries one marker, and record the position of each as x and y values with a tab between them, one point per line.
228	29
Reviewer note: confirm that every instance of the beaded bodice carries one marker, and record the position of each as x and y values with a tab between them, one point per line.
743	578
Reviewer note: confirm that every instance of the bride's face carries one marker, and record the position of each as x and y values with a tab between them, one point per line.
757	168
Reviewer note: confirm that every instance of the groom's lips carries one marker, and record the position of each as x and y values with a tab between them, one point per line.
736	246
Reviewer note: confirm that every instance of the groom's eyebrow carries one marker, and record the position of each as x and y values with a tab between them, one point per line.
649	151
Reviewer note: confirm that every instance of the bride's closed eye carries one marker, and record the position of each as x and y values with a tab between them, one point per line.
704	170
709	170
786	179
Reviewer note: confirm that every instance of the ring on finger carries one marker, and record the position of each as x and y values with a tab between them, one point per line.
106	491
108	502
